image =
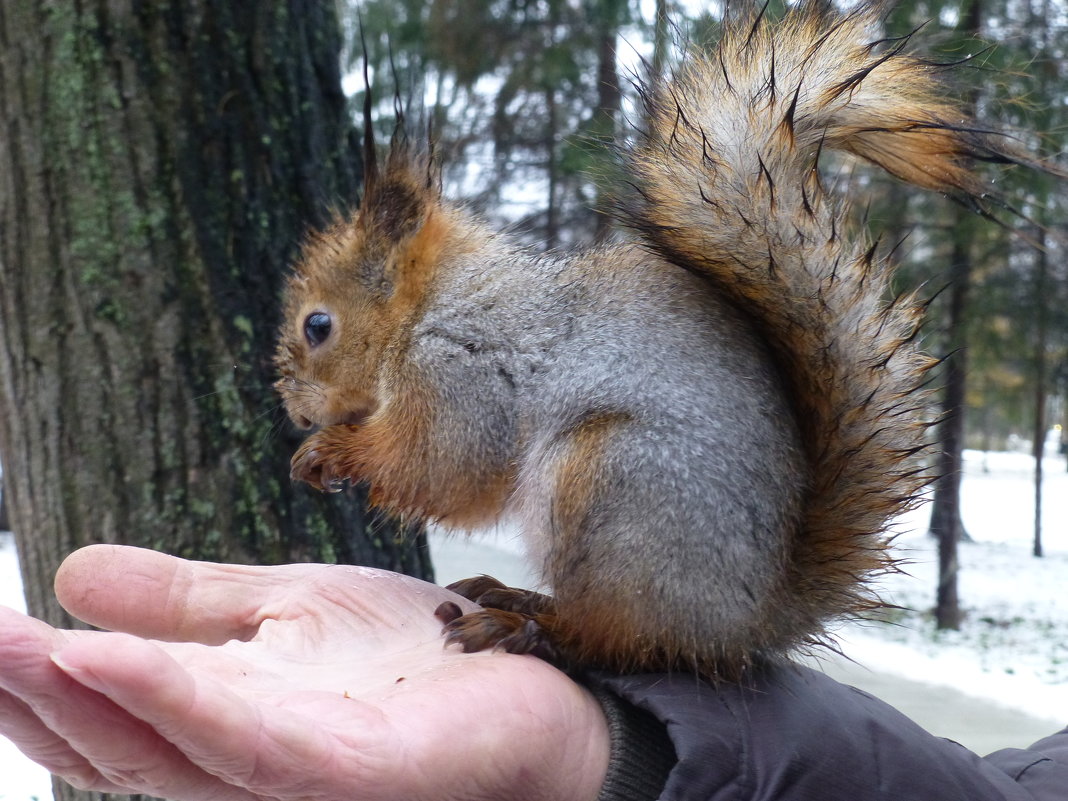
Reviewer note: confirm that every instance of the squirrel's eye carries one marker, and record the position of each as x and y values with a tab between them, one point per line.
317	328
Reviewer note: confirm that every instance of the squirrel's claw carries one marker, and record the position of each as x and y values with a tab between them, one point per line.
496	629
309	466
486	591
475	587
512	620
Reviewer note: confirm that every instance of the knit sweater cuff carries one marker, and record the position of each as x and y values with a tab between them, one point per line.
641	754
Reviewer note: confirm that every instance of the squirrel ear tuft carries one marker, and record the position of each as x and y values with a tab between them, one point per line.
395	210
398	203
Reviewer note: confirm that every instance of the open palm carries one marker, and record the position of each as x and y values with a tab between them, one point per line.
293	682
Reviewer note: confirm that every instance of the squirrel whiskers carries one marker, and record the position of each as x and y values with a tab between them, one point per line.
702	433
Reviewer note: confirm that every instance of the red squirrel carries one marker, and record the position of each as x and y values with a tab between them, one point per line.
702	431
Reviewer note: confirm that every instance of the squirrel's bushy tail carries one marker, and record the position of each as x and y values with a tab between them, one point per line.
727	186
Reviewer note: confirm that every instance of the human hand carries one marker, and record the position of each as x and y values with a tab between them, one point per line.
293	682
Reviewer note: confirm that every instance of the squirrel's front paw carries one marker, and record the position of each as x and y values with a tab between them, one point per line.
313	465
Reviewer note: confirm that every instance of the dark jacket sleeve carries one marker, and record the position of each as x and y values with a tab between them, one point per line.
790	733
1042	769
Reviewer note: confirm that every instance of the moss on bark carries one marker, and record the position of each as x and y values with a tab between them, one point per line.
159	164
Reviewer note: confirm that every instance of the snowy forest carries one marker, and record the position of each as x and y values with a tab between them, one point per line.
527	99
524	101
160	163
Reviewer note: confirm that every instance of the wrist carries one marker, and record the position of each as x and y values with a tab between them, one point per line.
641	755
590	752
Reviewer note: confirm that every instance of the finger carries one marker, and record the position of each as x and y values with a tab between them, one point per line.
24	728
273	750
25	668
51	717
151	594
163	597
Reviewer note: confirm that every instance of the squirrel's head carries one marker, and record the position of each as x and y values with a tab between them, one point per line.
354	289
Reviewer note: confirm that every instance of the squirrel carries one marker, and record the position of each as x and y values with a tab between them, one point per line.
703	431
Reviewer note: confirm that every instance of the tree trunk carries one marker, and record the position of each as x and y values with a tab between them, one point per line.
946	522
552	171
661	44
1046	58
609	99
945	513
5	524
1041	371
159	164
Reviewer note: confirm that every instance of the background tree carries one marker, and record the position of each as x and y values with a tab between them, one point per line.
946	524
1000	318
160	161
607	18
1040	37
159	164
510	95
525	100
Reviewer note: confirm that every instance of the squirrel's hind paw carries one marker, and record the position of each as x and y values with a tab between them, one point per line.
496	629
512	620
486	591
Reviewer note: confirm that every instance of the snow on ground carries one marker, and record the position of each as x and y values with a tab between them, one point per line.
1013	644
1012	648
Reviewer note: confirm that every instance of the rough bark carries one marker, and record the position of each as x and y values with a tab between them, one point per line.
159	164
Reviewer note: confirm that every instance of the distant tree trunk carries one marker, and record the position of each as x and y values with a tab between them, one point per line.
1064	416
159	164
1046	48
5	524
946	523
661	44
945	513
609	96
552	168
1041	371
552	131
